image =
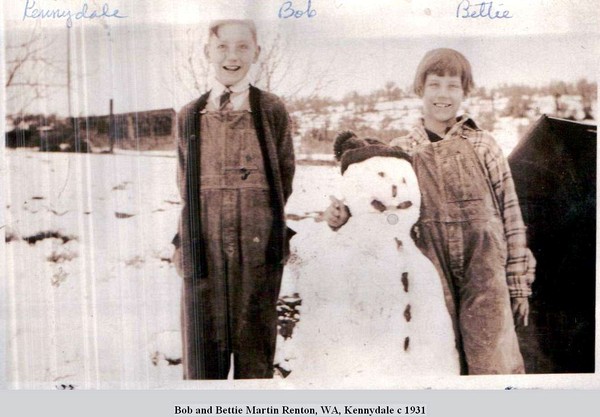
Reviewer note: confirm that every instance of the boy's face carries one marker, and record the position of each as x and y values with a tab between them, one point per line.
232	52
442	97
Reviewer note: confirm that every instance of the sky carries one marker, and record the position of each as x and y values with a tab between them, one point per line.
347	45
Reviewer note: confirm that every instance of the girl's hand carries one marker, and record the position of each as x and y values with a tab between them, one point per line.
337	214
520	310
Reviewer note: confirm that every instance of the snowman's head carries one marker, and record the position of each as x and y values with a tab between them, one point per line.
379	179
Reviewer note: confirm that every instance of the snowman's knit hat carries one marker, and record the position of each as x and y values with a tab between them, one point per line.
349	149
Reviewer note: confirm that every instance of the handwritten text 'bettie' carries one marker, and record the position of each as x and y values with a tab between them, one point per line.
32	12
288	10
487	9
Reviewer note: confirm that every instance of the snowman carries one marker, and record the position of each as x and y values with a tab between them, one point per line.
372	303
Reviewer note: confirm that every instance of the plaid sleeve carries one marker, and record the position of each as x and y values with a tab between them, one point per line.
520	265
409	143
403	142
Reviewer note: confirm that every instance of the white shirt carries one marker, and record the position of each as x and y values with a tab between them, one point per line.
239	93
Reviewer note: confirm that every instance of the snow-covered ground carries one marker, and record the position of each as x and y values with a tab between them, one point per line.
93	297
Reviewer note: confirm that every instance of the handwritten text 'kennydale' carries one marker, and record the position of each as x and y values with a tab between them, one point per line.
84	12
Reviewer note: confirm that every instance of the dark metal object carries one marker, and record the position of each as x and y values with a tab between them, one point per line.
554	169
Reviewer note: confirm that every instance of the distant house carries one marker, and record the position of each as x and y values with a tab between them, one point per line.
153	129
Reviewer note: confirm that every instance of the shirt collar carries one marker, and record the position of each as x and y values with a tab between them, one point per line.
419	134
462	121
217	88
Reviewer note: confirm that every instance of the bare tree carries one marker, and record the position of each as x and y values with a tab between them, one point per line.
30	66
389	90
191	68
273	64
589	93
278	60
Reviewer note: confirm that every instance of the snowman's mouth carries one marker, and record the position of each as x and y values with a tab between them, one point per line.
379	206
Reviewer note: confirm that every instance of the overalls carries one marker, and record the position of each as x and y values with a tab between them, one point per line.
233	309
462	233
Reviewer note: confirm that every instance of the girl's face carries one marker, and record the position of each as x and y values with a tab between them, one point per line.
232	52
442	97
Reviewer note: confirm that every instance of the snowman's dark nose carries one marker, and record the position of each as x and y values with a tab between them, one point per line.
394	191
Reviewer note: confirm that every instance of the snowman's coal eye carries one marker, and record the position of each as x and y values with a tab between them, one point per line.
378	205
381	174
405	205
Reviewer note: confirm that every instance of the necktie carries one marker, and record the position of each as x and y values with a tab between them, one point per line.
224	100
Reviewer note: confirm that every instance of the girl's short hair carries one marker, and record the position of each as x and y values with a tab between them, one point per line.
213	26
444	61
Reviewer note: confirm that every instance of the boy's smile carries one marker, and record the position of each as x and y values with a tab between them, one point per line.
442	97
232	52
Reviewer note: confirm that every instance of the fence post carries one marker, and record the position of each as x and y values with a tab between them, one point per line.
111	127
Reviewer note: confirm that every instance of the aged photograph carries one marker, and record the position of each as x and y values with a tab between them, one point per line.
321	194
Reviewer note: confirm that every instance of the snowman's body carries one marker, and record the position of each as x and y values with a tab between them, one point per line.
372	303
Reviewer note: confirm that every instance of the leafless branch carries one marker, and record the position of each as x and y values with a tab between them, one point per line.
30	63
191	69
279	60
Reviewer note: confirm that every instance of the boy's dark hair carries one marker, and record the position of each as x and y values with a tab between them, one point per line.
213	26
444	61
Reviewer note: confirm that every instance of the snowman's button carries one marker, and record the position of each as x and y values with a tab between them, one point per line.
407	315
405	281
398	243
406	342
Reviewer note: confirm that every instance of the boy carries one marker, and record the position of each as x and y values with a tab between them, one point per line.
470	225
235	172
